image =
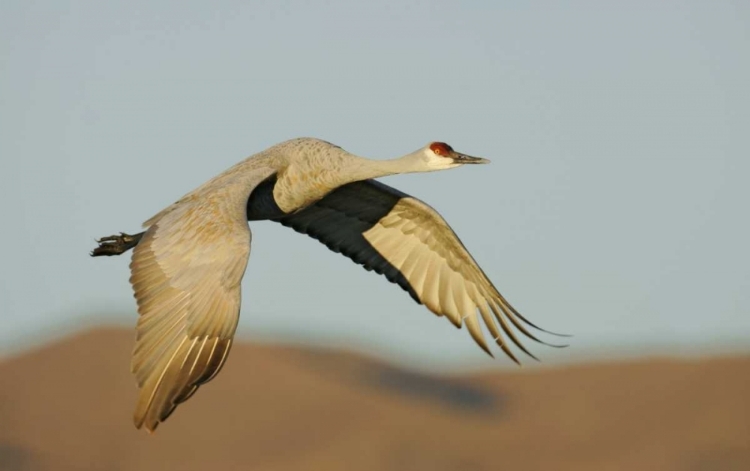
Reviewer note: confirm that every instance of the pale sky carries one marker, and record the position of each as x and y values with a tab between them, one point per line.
615	208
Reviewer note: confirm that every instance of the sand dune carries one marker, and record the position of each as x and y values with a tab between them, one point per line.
69	405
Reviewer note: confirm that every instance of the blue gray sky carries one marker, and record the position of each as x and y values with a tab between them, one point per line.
615	208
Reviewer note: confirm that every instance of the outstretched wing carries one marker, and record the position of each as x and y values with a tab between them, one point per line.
186	274
406	240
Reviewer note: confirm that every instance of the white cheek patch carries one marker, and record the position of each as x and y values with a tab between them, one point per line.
438	162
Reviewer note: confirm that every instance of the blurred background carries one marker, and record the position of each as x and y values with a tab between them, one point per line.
615	209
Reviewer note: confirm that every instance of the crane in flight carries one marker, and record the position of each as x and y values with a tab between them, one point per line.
187	265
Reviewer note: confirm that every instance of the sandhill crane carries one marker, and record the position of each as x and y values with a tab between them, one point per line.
187	265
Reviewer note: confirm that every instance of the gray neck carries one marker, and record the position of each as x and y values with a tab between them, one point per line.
324	172
360	168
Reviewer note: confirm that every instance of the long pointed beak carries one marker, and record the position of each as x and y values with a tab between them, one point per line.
467	159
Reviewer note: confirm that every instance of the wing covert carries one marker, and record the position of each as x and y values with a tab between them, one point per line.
186	273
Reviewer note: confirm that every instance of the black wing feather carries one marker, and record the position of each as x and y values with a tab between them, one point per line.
339	221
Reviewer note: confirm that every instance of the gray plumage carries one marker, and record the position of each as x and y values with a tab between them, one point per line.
187	266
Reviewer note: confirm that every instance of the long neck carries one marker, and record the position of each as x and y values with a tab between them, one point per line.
360	168
310	179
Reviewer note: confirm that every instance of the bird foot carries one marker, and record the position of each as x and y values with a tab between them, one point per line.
116	244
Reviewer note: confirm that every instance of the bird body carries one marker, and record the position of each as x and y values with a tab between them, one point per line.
188	265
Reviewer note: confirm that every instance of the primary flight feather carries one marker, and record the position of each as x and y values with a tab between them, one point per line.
188	265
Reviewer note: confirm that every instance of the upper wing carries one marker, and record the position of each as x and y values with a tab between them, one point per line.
186	274
406	240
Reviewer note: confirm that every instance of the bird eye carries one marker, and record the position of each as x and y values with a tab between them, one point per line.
440	148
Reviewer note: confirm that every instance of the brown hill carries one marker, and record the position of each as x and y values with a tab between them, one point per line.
68	406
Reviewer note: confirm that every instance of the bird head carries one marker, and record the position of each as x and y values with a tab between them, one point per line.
439	156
